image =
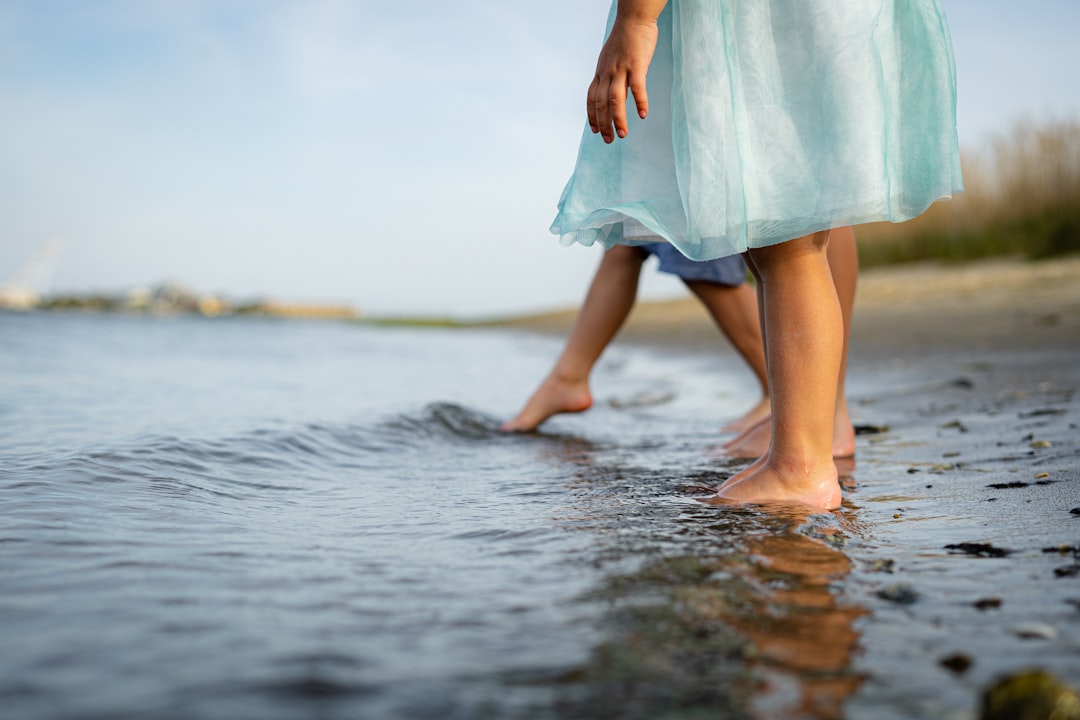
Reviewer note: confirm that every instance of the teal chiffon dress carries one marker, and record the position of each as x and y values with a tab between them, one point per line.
773	119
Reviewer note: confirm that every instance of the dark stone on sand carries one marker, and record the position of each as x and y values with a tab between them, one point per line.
1075	511
1067	571
1008	485
885	565
900	593
871	429
979	549
1034	631
1043	411
1031	695
987	603
1063	549
958	663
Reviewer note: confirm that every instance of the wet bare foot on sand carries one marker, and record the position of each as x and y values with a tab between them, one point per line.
845	469
744	473
750	418
555	395
754	442
815	488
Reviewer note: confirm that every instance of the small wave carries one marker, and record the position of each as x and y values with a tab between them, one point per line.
642	399
495	534
264	459
445	420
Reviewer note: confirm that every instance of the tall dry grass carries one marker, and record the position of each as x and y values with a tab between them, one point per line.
1021	196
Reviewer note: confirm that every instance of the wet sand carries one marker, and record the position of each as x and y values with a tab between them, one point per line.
964	503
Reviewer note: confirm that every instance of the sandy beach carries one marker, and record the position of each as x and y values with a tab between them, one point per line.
993	304
964	503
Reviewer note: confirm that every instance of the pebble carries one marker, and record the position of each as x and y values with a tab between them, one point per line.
886	565
900	593
979	549
1034	631
1030	694
958	663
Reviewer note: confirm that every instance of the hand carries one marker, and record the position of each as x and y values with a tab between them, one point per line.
624	63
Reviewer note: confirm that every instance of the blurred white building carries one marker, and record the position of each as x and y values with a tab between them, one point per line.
31	281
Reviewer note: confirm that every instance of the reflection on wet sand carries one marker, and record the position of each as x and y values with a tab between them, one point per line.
802	632
729	612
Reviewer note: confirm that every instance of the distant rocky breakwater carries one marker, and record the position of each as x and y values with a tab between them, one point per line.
170	299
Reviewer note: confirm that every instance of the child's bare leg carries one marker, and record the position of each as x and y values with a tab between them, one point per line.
844	266
844	262
735	311
609	301
804	340
765	423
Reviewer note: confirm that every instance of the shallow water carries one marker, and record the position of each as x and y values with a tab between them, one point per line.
249	518
264	519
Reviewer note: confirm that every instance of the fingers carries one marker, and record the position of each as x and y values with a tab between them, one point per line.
641	97
603	100
606	107
616	112
590	105
623	64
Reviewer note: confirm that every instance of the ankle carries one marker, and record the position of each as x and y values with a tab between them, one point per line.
568	375
803	465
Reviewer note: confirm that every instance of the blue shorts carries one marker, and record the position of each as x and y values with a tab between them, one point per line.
729	271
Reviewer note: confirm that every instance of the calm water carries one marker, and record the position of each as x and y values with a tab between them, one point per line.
259	519
246	518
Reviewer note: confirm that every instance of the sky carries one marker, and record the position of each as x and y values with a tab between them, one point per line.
403	157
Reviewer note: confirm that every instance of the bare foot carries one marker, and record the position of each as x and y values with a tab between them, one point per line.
555	395
744	473
754	442
750	418
814	487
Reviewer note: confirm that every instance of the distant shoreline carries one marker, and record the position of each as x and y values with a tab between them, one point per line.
900	309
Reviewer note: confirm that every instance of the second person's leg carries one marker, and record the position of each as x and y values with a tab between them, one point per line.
608	303
735	312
